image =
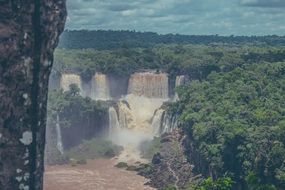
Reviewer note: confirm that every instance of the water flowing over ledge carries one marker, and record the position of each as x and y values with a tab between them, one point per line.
149	84
137	116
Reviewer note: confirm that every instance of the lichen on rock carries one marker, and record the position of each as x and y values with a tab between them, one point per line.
29	34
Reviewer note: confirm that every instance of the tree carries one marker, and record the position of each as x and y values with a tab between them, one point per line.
224	183
236	122
74	90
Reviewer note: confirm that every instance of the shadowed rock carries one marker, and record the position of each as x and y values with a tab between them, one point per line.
29	33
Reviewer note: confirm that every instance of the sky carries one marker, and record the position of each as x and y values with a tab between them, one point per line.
223	17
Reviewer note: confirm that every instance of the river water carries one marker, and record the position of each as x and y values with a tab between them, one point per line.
99	174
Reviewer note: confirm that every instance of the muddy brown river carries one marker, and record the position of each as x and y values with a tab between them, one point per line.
99	174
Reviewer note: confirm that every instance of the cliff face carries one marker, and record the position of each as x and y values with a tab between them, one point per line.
170	167
83	127
29	33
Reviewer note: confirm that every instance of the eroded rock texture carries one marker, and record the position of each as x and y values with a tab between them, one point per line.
169	167
29	31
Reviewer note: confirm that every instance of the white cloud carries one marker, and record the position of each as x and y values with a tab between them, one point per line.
179	16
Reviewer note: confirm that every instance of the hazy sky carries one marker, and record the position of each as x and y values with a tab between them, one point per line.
224	17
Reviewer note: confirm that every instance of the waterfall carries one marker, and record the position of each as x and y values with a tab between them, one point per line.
149	84
68	79
156	122
180	80
136	112
168	122
59	144
113	119
125	114
100	87
163	122
135	115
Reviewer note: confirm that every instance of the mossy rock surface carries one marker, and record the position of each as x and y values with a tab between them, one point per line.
122	165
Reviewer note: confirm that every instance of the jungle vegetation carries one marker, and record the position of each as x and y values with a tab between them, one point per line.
233	109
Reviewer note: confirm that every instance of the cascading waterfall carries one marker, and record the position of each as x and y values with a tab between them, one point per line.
134	115
163	122
59	144
113	119
156	122
138	116
136	112
100	87
146	93
149	84
180	80
125	114
168	123
68	79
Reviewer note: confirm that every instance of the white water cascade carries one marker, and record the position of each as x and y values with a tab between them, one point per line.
134	115
59	144
136	112
68	79
168	123
149	84
125	114
113	119
163	122
180	80
100	89
156	122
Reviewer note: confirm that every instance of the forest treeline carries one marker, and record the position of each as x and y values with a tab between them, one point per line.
197	61
108	40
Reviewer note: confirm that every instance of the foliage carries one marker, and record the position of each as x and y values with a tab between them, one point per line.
77	115
171	187
224	183
237	120
116	39
121	165
71	107
74	90
150	148
197	61
255	184
94	148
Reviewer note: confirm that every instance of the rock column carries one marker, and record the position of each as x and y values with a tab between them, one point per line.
29	31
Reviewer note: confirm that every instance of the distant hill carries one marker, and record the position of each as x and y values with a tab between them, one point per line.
105	40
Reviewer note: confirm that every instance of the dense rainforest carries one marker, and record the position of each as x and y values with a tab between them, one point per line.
232	110
107	40
236	121
197	61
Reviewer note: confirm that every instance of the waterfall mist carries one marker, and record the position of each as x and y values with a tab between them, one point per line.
134	116
59	144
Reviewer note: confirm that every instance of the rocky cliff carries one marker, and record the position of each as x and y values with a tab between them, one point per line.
29	33
169	167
